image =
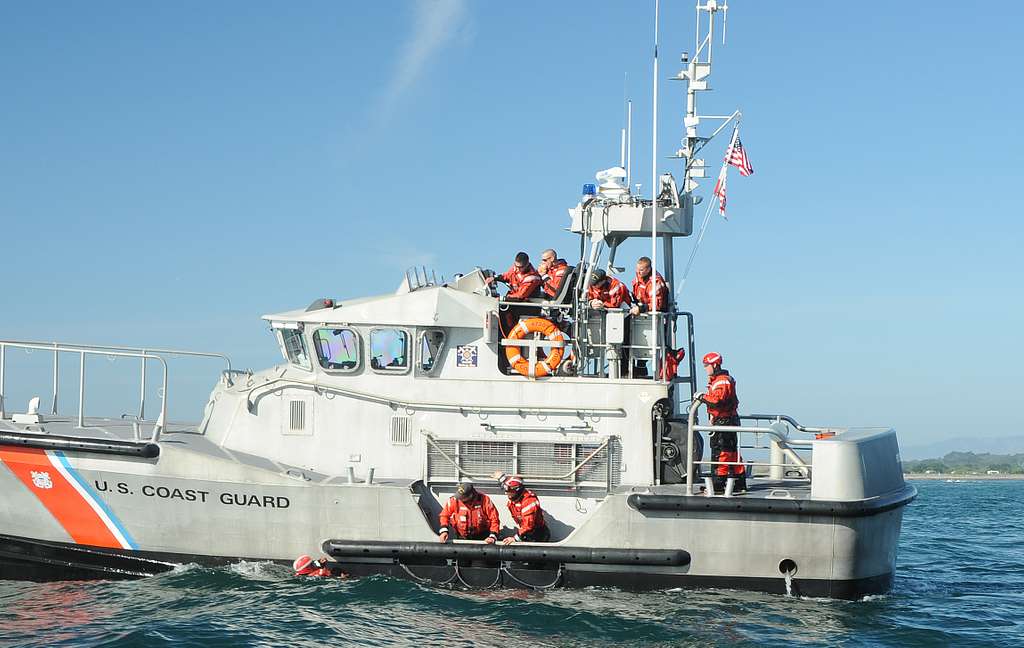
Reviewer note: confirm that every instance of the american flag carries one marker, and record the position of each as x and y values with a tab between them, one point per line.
720	190
737	157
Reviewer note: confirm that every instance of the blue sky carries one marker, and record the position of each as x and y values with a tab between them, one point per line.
173	171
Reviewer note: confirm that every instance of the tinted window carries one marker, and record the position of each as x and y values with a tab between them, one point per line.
389	350
337	349
295	347
431	344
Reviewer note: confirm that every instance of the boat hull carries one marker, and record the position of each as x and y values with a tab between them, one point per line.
187	507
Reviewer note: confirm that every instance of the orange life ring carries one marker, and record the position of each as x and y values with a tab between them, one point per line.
541	368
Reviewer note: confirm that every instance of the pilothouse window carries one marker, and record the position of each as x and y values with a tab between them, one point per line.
294	347
337	349
431	344
389	350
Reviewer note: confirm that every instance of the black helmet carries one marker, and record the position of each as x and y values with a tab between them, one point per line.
465	490
597	276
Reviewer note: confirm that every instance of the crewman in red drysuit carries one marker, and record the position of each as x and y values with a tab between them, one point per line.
469	515
723	405
522	279
525	508
642	289
306	566
606	292
552	270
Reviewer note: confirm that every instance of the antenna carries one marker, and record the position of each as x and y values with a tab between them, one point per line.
629	142
654	205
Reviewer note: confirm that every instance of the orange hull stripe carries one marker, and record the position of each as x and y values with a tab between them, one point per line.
61	499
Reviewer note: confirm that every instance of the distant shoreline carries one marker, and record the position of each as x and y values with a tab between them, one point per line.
962	477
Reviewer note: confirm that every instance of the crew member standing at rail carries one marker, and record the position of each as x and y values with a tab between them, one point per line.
642	302
723	409
523	280
469	515
552	270
606	292
525	509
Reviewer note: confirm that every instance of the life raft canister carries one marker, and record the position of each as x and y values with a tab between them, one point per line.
544	367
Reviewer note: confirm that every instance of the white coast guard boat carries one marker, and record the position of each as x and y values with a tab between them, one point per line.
381	405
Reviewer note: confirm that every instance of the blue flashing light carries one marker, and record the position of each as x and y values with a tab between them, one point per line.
590	189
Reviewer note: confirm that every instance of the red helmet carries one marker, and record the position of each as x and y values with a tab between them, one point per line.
302	564
713	358
514	486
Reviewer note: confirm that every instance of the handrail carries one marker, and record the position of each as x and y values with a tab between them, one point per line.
66	347
412	406
82	352
780	418
575	469
781	439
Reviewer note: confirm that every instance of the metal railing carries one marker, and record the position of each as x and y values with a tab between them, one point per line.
780	441
571	474
278	384
145	354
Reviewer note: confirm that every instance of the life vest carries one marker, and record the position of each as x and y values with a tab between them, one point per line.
544	367
721	396
671	364
527	513
522	284
642	292
613	294
555	276
473	518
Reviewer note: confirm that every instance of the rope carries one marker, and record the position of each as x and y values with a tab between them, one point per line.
427	580
553	584
696	246
468	586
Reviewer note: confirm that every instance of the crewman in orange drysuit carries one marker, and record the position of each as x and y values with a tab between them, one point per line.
306	566
642	289
469	515
526	511
522	279
723	405
552	270
606	292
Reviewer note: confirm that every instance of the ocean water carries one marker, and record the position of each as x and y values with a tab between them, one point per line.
959	582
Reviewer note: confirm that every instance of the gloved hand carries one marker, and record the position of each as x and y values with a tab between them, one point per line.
443	537
698	396
489	540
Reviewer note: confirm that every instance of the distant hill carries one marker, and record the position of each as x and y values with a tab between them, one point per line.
968	462
942	447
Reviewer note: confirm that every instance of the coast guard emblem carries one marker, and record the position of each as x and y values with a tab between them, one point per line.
466	356
42	480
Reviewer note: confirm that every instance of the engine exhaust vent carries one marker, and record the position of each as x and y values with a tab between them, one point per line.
400	431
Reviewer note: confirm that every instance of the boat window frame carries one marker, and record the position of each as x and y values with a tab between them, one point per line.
358	346
299	333
440	350
394	371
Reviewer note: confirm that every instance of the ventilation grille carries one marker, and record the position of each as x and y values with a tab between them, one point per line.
542	462
400	431
297	416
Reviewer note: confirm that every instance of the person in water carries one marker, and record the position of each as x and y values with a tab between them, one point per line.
306	566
